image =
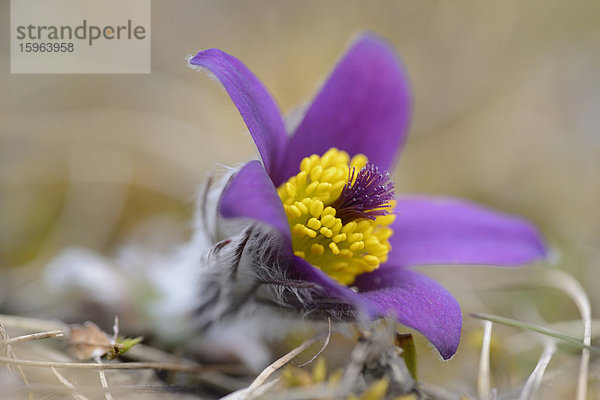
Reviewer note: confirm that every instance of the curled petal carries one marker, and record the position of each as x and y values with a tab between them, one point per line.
259	111
418	302
364	107
251	194
444	230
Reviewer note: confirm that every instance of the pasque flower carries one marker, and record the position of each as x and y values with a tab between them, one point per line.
325	191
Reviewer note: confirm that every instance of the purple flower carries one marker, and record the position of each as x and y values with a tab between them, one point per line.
363	108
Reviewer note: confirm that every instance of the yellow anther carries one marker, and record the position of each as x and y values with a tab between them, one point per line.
346	253
324	187
301	178
311	188
340	266
290	189
372	244
314	223
297	229
381	251
326	232
328	220
342	249
329	211
359	161
385	233
371	260
325	197
293	212
316	172
337	226
329	154
316	208
363	225
309	232
328	174
305	165
338	186
355	237
317	249
334	249
301	206
349	227
340	237
386	219
357	246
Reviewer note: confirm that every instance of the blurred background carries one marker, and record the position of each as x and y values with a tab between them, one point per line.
507	109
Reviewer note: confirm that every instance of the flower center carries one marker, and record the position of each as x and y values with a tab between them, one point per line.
339	217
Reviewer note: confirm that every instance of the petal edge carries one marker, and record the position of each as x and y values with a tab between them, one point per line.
363	107
255	104
445	230
418	302
251	194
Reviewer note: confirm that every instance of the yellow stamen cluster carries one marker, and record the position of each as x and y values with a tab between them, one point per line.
341	250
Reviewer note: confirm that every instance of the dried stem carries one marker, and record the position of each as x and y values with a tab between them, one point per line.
322	349
32	324
535	379
33	336
121	366
565	282
68	385
483	381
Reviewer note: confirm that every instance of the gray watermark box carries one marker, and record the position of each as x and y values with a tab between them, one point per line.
80	36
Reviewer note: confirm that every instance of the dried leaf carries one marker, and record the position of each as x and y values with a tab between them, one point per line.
88	341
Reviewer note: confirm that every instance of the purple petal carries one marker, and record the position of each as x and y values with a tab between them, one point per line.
304	271
443	230
259	111
251	194
418	302
364	107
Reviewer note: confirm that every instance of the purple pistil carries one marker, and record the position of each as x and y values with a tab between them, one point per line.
368	197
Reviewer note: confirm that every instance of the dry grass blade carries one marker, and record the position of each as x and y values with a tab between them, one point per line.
535	328
569	285
104	381
68	384
322	349
483	379
33	336
535	379
32	324
120	366
264	375
6	349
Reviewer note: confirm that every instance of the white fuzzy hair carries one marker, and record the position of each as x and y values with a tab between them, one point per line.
229	287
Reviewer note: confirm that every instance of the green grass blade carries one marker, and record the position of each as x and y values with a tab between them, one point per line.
535	328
